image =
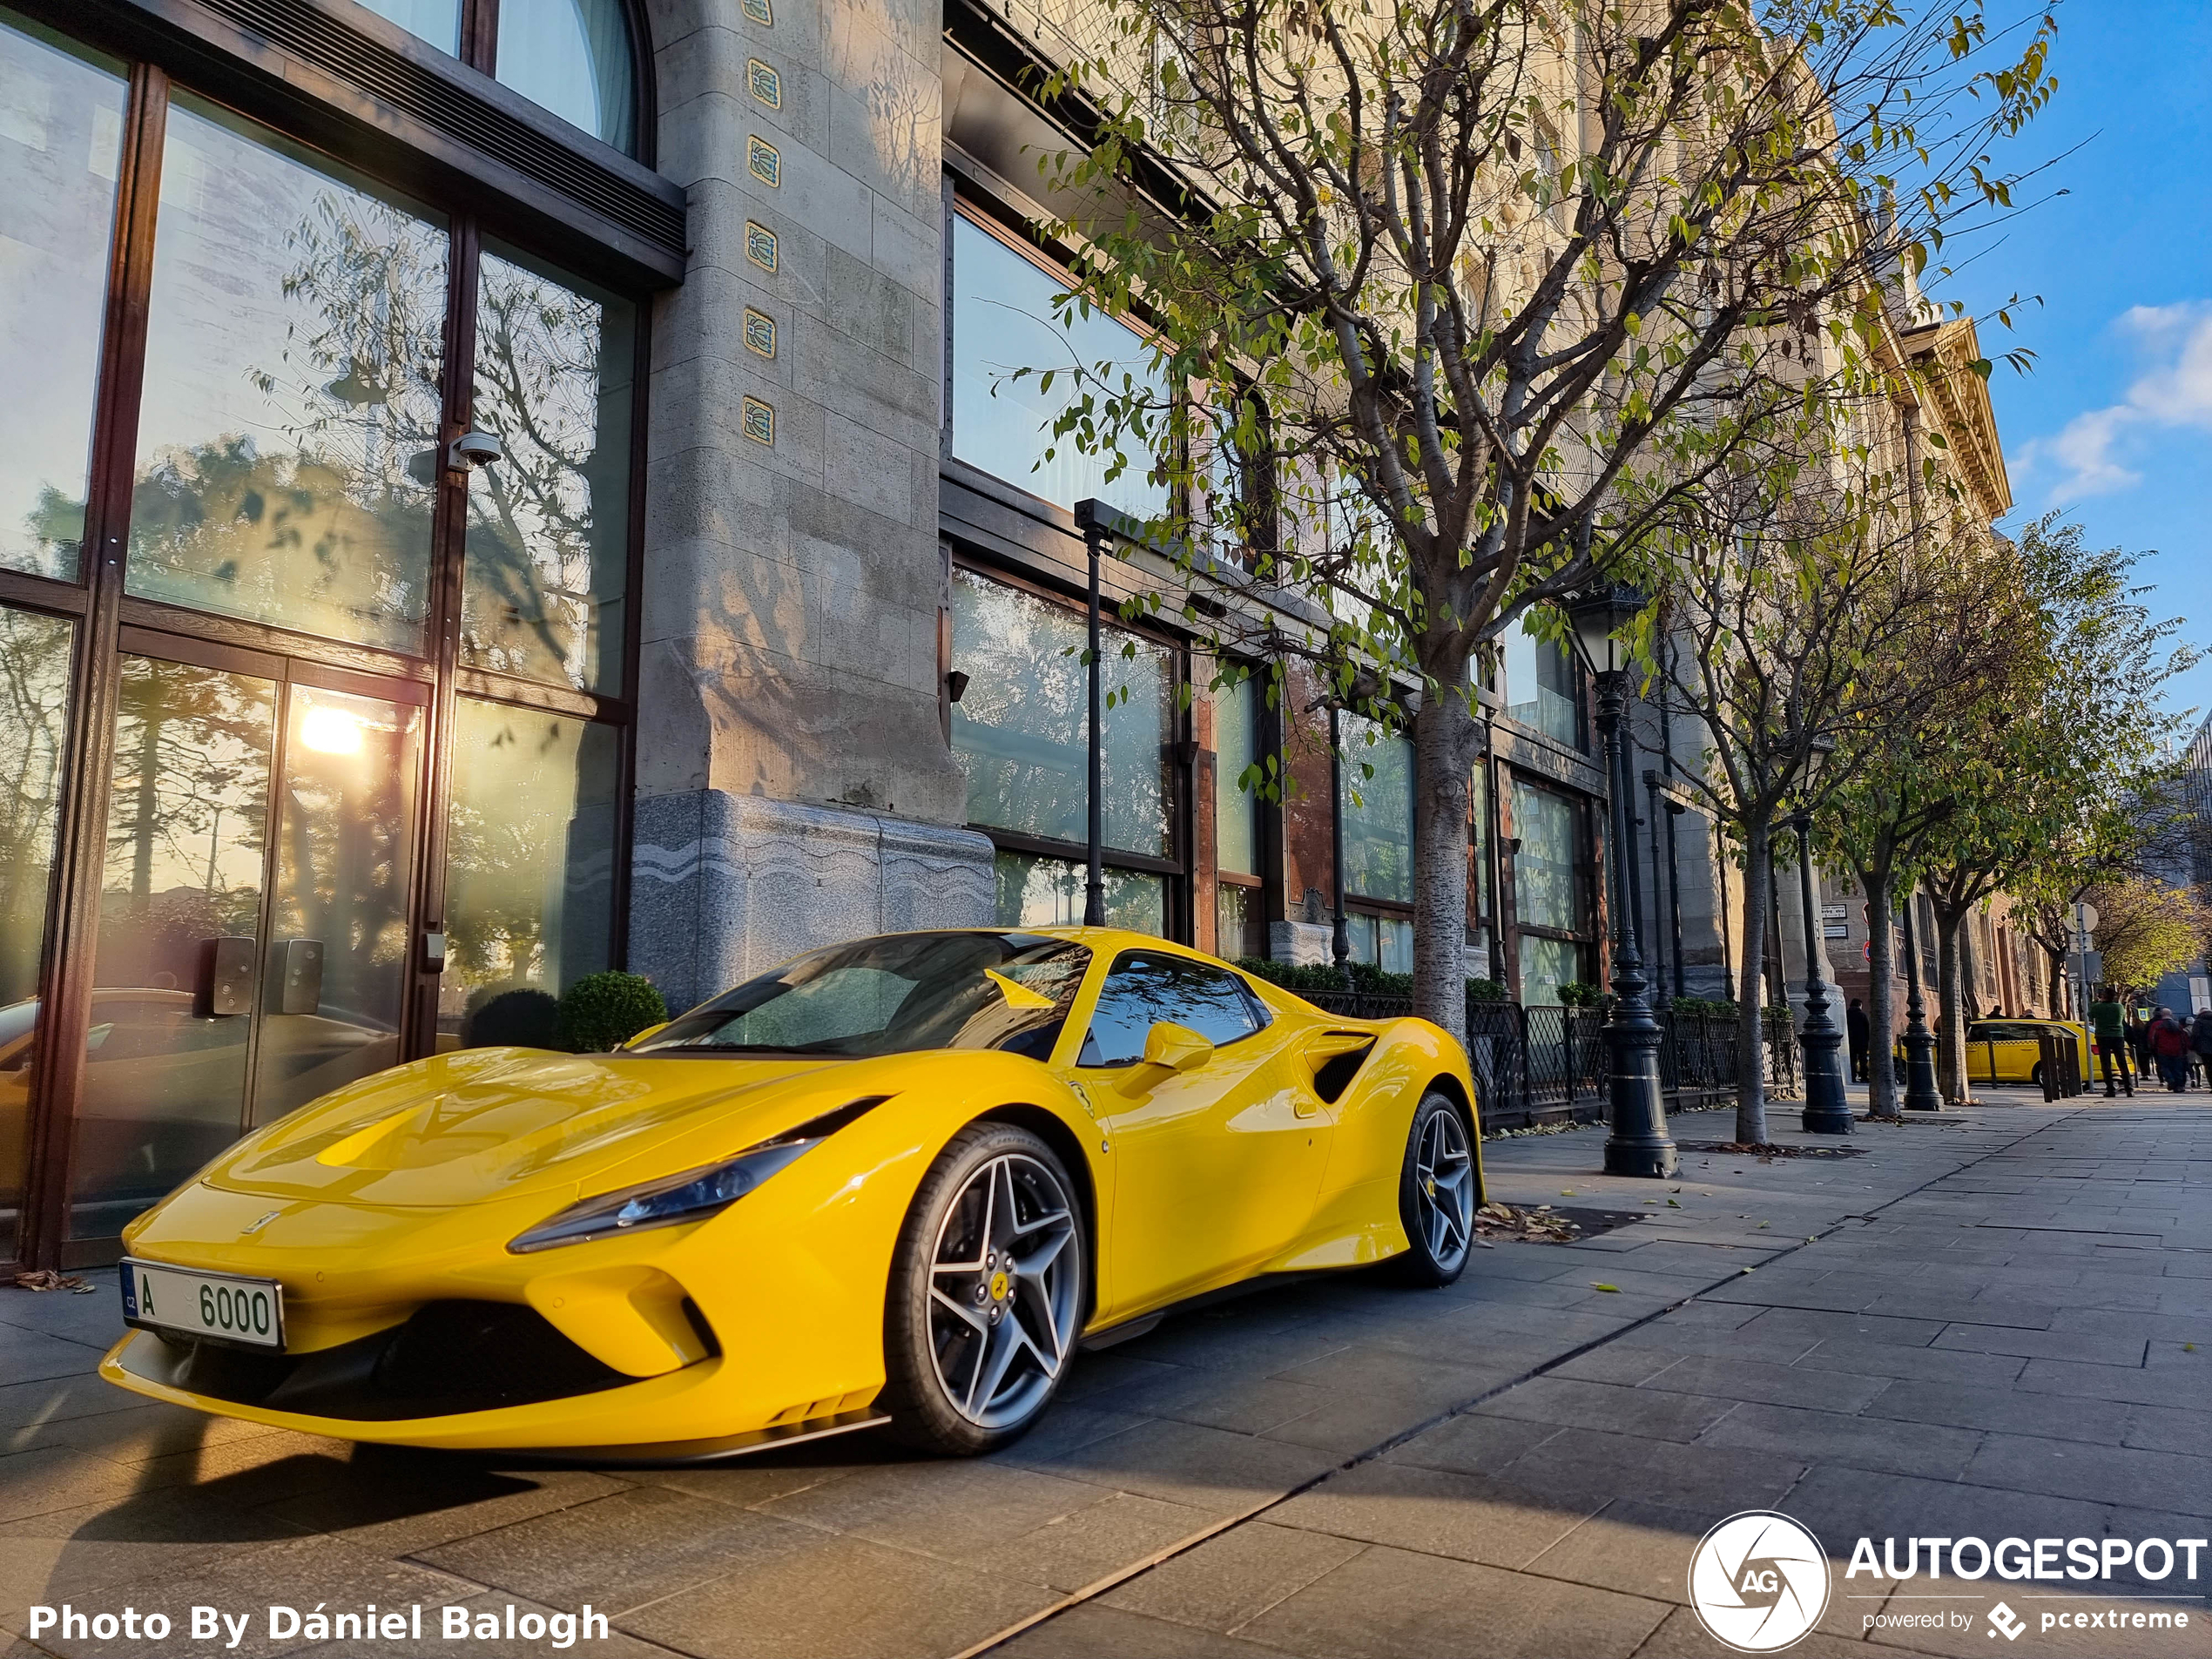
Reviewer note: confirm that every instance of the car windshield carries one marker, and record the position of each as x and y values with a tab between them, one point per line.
897	995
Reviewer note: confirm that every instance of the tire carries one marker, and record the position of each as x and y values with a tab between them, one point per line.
986	1294
2036	1074
1437	1194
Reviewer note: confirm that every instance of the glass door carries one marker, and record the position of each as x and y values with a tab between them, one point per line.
253	918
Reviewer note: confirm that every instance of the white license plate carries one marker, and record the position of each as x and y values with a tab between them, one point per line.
221	1305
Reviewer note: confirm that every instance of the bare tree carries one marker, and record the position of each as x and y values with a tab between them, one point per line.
1454	297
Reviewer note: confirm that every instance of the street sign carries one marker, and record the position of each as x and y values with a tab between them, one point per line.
2085	917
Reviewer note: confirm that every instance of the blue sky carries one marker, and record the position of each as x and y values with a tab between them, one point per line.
2115	421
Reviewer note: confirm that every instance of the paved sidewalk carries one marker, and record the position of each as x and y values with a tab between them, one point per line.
1991	1334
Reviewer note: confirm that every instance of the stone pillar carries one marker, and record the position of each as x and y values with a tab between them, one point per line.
793	781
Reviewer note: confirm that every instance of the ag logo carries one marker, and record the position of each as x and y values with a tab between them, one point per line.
1758	1582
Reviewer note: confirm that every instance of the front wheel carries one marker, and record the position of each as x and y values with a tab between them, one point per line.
2035	1074
986	1294
1436	1194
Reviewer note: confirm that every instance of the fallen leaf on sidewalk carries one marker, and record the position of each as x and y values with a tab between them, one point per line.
1674	1204
1615	1289
45	1278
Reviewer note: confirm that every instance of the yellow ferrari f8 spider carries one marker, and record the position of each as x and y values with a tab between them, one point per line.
899	1181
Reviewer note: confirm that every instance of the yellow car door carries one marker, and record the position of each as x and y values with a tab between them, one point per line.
1218	1159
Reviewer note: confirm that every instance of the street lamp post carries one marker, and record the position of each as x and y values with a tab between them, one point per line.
1339	935
1827	1108
1639	1144
1658	933
1921	1092
1091	515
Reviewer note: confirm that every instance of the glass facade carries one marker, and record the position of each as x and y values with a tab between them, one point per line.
1019	730
1236	744
36	658
1002	322
530	870
548	524
256	906
1541	690
1551	890
1377	808
61	142
1039	892
288	428
573	57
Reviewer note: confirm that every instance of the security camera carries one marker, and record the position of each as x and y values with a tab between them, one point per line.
475	449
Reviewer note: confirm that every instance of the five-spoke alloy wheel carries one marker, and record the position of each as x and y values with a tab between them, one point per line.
1436	1194
987	1292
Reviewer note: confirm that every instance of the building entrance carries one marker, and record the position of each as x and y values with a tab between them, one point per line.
252	951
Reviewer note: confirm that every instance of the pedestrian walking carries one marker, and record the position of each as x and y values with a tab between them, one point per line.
2139	1042
2169	1046
1860	1030
2200	1044
2108	1020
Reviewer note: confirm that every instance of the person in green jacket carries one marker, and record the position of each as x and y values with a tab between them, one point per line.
2110	1022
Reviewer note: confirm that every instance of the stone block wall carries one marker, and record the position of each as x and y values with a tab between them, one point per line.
792	579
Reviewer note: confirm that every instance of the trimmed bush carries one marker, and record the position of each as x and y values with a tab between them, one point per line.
604	1011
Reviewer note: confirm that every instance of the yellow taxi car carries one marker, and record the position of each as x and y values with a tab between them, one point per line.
2010	1051
899	1181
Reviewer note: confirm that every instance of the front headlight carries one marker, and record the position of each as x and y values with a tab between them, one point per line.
692	1196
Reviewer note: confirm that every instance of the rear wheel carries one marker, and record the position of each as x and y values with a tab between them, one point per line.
2035	1074
1436	1194
986	1294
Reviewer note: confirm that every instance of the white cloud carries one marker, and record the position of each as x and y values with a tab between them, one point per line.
2174	390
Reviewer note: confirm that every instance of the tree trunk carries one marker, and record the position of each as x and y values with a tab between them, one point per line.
1881	995
2054	975
1951	1021
1443	752
1969	967
1750	1041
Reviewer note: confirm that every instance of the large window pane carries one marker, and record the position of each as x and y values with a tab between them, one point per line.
1021	729
1547	964
548	525
573	57
435	21
1378	812
1548	875
1539	687
1235	746
1048	893
179	954
61	134
34	714
288	436
529	869
1002	320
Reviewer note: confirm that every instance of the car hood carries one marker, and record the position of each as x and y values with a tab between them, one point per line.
496	1122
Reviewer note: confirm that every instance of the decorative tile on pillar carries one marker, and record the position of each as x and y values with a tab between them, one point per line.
760	245
762	161
760	421
759	333
759	11
764	83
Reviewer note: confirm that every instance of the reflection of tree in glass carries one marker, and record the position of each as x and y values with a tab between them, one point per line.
186	820
547	536
498	850
332	533
34	704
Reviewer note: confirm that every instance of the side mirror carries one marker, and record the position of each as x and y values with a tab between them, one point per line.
1177	1048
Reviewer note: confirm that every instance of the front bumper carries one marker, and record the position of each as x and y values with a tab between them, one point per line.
418	1327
